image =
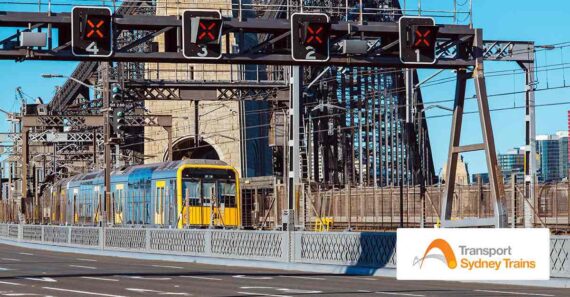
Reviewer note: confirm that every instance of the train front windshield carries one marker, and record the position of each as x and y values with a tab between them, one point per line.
199	185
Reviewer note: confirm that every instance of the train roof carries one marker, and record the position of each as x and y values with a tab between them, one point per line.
165	168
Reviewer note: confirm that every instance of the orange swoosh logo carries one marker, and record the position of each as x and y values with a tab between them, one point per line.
445	248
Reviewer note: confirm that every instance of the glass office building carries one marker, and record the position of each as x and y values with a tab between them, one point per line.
553	154
512	163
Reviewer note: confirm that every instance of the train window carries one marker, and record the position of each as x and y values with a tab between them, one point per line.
190	189
159	200
208	191
227	193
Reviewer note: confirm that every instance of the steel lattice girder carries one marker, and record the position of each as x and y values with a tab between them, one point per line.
384	31
206	91
95	121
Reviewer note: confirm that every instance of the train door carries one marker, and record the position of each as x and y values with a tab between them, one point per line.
118	203
170	204
228	210
62	203
159	202
75	207
209	207
96	205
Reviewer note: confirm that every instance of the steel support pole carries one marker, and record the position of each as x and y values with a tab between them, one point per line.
294	140
25	160
530	141
107	140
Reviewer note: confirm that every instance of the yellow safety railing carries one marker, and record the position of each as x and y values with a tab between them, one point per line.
323	224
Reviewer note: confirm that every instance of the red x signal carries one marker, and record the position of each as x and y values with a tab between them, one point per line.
314	34
423	38
208	28
95	28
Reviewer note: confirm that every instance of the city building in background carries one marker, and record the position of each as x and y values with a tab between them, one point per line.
553	156
482	178
512	163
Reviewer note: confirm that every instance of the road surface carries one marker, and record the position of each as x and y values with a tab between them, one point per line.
29	272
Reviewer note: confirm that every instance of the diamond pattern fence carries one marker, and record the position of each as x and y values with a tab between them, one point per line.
178	241
343	248
560	256
259	245
32	233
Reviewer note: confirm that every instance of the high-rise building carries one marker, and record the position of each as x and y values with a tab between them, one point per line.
512	162
553	152
480	178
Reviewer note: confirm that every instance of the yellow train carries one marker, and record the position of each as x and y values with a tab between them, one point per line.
177	194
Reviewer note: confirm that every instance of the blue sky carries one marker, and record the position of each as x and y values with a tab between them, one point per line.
514	20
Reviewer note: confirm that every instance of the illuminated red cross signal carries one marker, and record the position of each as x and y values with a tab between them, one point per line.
314	34
91	31
205	30
95	28
208	28
422	38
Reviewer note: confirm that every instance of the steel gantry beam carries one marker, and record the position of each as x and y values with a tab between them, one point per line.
386	32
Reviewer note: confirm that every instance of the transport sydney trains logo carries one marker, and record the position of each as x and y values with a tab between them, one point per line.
474	257
447	255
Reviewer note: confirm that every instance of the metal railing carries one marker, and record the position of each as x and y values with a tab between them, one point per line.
362	249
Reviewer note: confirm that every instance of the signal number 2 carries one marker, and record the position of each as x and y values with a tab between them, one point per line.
310	53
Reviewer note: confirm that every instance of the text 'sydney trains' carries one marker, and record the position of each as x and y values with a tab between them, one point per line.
188	193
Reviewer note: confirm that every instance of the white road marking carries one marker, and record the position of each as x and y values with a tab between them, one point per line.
101	278
149	278
202	277
10	283
157	292
11	259
42	279
27	254
399	294
20	294
80	266
86	260
4	269
514	293
302	277
252	277
82	292
166	266
262	294
294	291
